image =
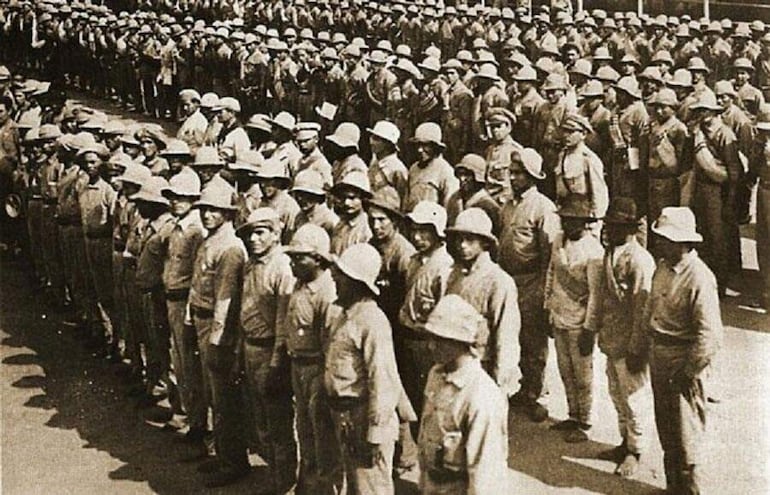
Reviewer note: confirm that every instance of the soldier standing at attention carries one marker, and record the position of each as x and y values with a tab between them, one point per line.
361	377
481	281
267	283
464	429
685	322
309	319
529	226
214	300
625	286
571	294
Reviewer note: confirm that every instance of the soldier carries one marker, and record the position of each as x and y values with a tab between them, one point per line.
274	184
488	95
571	293
309	318
386	168
546	128
379	86
343	151
431	178
193	128
759	168
361	377
525	104
685	324
50	171
306	137
152	141
663	148
529	225
309	193
283	126
353	227
153	207
184	236
464	429
456	124
97	202
490	290
232	138
215	292
267	284
717	169
749	97
471	174
598	117
499	123
625	285
579	170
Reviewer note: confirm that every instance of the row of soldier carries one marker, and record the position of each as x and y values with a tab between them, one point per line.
188	283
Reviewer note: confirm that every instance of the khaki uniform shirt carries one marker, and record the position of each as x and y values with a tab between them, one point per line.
309	316
185	236
426	278
97	203
349	232
434	182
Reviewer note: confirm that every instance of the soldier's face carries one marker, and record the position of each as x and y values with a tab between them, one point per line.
446	351
261	240
725	100
212	218
663	112
304	266
307	144
349	203
424	238
466	178
305	200
149	148
180	205
520	179
573	138
132	150
379	146
452	76
189	106
499	130
467	247
614	235
92	164
742	77
4	114
573	227
269	188
382	226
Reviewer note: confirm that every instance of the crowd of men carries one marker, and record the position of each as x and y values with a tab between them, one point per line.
373	217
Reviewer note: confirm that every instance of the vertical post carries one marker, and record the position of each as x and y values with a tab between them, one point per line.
580	5
639	7
706	10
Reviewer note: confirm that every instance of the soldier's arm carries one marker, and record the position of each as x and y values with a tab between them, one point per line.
486	446
707	324
643	271
284	286
383	380
227	290
504	325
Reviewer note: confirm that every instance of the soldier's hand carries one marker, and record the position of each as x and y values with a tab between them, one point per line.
586	341
376	455
635	363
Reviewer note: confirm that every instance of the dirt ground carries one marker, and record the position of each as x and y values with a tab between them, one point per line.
68	426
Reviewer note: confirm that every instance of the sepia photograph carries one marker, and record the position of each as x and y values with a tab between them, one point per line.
391	247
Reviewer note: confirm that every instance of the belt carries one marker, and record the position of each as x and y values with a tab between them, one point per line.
345	403
175	295
260	341
664	339
306	359
204	313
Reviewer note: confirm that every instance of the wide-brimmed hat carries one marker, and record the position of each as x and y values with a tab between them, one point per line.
607	74
487	71
576	122
707	101
592	89
429	213
346	135
387	199
724	88
309	181
456	319
386	130
284	120
474	221
260	122
177	147
696	64
274	168
577	206
207	156
356	180
429	132
217	194
262	217
666	97
361	262
622	211
630	86
186	184
554	82
526	73
151	191
247	161
134	173
677	224
475	164
310	239
531	160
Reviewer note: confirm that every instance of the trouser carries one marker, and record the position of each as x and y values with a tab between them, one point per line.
67	239
120	308
763	240
166	100
51	252
533	336
35	233
225	396
186	361
99	255
273	417
362	477
149	93
158	342
576	374
414	361
680	416
629	395
715	220
320	471
135	329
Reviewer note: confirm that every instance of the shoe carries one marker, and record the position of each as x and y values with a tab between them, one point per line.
537	412
566	425
211	465
225	476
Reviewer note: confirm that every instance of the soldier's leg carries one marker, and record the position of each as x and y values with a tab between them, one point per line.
533	338
100	255
34	228
372	478
567	371
135	332
187	366
307	481
52	254
329	469
763	242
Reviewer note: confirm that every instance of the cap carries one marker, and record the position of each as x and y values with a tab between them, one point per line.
677	224
456	319
310	239
346	135
531	160
361	262
474	221
386	130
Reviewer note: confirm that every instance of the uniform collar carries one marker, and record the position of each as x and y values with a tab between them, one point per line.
461	377
685	262
482	260
193	217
